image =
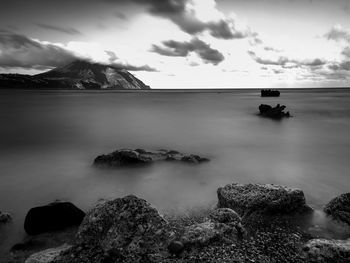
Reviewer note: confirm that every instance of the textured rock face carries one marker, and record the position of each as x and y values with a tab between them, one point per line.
128	157
225	215
339	208
52	217
76	75
47	256
327	251
123	230
256	198
5	217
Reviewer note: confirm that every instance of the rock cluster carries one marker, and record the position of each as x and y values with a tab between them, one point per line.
339	208
128	157
248	199
273	112
326	251
52	217
269	93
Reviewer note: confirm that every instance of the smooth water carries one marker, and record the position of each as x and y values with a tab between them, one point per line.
48	141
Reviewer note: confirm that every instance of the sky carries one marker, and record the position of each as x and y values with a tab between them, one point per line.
184	43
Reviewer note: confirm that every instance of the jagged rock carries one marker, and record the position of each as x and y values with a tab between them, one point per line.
128	157
257	198
225	215
48	255
339	208
52	217
327	251
126	229
270	93
5	218
273	112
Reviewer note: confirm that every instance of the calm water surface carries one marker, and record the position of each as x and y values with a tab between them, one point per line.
48	141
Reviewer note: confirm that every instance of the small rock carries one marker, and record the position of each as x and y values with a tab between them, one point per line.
176	247
5	217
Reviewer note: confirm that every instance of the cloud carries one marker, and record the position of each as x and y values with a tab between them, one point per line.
338	33
19	51
194	16
66	30
182	49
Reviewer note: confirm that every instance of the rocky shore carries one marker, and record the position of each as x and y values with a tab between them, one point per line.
251	223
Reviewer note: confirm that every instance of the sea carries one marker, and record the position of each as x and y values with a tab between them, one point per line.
49	139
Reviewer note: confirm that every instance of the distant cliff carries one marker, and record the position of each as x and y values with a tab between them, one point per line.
76	75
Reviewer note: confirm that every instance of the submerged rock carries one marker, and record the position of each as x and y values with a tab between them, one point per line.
327	251
339	208
126	229
273	112
48	255
128	157
258	198
5	218
52	217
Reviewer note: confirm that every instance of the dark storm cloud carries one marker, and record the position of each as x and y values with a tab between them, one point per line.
337	33
19	51
176	11
182	49
68	30
345	65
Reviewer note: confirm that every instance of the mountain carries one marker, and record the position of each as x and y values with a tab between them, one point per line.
76	75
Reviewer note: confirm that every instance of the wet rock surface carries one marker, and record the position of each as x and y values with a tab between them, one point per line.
128	157
48	255
126	229
339	208
247	199
327	251
276	112
52	217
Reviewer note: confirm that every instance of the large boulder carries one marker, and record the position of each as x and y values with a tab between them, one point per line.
128	157
327	251
126	229
5	217
247	199
339	208
52	217
47	255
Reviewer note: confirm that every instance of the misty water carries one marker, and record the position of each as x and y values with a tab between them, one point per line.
49	139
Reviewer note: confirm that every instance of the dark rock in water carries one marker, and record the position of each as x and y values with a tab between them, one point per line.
248	199
339	208
176	247
5	218
270	93
127	157
327	251
126	229
52	217
273	112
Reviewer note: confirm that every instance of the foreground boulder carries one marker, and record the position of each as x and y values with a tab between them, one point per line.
339	208
126	229
327	251
52	217
247	199
5	218
127	157
273	112
47	255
